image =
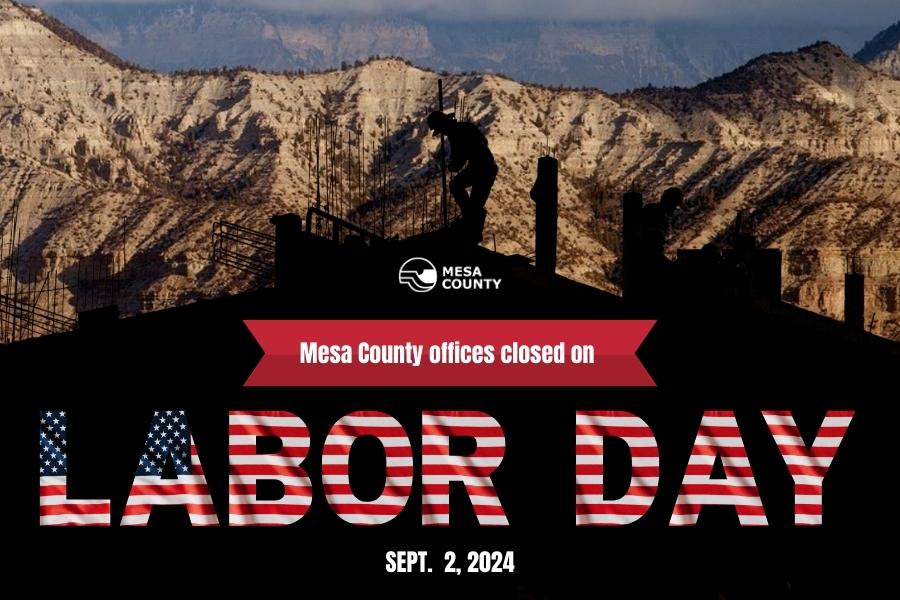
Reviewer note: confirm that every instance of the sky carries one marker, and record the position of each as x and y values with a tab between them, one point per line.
826	12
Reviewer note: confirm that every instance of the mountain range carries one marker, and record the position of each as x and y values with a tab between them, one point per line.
96	155
613	56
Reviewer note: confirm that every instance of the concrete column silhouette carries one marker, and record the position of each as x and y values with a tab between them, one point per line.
288	255
545	194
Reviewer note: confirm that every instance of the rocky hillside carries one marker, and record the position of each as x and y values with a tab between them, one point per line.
612	56
882	53
96	155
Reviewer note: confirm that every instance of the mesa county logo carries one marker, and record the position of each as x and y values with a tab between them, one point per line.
420	275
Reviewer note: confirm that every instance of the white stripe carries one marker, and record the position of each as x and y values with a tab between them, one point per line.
731	481
692	520
269	460
808	461
355	519
250	440
625	501
167	500
641	482
158	480
786	421
808	500
718	422
253	479
266	421
780	420
808	479
710	459
466	479
390	461
345	480
601	421
821	442
384	500
483	441
368	422
60	500
601	519
492	519
434	499
461	461
807	519
597	440
240	520
49	520
719	441
436	519
724	499
53	480
683	520
589	479
290	500
399	441
142	519
460	421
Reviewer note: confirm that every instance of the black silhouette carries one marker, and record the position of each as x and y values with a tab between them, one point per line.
473	159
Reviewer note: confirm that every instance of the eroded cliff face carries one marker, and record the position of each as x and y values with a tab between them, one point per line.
95	157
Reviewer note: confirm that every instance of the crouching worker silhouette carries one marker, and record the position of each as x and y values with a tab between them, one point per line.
469	149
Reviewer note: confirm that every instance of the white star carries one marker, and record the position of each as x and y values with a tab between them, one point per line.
43	421
62	413
63	428
56	421
168	413
182	426
156	428
53	469
49	414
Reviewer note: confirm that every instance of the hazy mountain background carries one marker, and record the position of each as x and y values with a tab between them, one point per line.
612	56
97	158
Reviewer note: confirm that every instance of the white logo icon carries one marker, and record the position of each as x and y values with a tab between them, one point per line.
419	274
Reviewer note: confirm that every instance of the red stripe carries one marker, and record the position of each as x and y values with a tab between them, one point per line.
616	431
75	509
389	451
610	509
249	489
267	471
463	431
287	451
268	509
268	430
367	509
194	508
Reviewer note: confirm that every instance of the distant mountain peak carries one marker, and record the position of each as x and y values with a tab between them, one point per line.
885	41
882	53
69	35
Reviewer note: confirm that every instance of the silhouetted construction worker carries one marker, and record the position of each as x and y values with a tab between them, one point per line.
470	155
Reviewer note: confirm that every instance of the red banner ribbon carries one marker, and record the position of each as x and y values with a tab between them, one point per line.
293	350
